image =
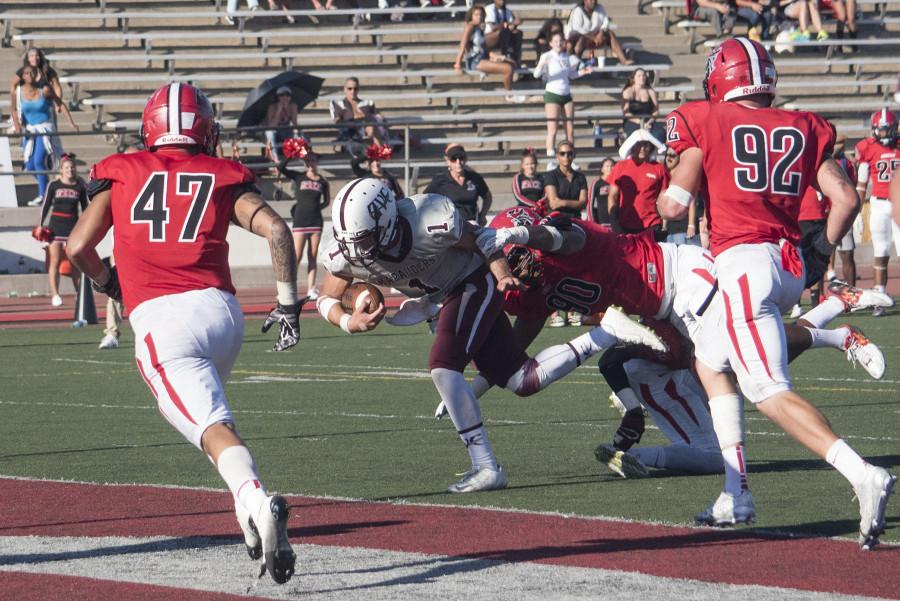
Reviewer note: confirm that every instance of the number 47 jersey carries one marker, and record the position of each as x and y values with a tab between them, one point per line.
757	164
170	213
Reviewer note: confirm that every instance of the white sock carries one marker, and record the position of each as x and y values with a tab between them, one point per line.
735	469
824	312
238	470
879	288
550	153
463	408
845	460
479	385
835	338
629	398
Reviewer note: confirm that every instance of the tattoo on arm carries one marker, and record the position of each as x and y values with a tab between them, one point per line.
253	214
281	245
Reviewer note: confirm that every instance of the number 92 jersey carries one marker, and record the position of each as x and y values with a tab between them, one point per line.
426	262
758	162
170	214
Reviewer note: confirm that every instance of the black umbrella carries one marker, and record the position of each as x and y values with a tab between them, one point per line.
304	89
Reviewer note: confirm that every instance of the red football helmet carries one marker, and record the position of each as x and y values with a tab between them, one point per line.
180	114
737	68
884	127
523	261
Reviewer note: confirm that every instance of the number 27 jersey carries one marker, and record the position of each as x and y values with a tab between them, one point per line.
170	217
758	163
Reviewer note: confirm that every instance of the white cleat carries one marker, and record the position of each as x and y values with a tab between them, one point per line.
856	299
480	478
873	495
251	535
56	300
628	331
440	411
863	351
627	466
109	342
271	524
796	311
729	510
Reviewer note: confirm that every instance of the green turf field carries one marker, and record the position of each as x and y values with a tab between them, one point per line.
352	417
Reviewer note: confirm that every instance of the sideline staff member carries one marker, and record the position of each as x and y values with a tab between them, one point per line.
462	185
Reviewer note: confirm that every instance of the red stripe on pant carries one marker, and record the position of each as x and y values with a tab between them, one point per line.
744	285
729	325
648	398
672	391
154	361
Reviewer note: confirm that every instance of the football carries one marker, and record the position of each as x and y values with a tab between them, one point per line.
361	295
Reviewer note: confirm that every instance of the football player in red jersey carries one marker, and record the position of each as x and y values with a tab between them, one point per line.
757	162
171	206
878	158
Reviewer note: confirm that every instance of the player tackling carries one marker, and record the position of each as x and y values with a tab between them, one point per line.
171	206
757	162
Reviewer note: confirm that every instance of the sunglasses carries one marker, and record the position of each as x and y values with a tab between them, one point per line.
566	153
350	89
671	155
454	159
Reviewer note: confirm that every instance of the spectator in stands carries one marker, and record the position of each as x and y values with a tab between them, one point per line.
844	12
502	31
35	99
557	67
311	194
598	195
588	28
473	50
35	58
566	191
353	108
371	166
804	11
758	15
528	184
462	185
640	106
634	186
232	5
281	117
542	40
719	13
65	200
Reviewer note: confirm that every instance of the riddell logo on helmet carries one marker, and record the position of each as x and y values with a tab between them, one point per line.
763	89
174	139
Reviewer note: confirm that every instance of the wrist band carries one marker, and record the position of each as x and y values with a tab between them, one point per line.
286	293
345	323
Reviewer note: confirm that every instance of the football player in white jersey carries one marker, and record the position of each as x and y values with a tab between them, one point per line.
423	247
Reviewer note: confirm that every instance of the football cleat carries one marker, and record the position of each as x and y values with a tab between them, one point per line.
574	318
251	535
729	510
628	331
271	524
856	299
556	321
109	342
627	466
863	351
878	312
480	478
796	311
873	495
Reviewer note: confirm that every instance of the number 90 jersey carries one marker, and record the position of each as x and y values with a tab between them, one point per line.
757	162
170	214
426	261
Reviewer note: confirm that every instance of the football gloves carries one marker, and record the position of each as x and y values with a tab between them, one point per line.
111	288
816	254
288	319
630	430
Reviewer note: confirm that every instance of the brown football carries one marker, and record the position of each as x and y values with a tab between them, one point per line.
359	293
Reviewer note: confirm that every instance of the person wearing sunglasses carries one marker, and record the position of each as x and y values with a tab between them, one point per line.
634	185
462	185
281	117
352	108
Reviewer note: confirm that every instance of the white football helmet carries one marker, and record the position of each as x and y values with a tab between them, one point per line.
364	219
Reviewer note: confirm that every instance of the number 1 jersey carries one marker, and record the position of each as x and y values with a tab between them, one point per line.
758	163
170	213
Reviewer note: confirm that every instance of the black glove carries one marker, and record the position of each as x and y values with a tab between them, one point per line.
288	317
111	288
558	220
630	430
816	254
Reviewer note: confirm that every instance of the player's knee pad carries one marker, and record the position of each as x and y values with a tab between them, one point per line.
527	380
728	419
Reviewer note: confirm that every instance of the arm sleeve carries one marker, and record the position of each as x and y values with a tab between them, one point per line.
326	194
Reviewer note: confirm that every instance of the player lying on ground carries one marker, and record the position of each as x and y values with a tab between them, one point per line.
422	246
171	205
757	162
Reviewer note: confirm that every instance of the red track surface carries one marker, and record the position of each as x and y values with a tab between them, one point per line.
733	556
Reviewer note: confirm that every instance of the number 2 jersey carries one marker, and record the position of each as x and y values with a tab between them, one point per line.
170	213
611	269
426	262
882	162
757	162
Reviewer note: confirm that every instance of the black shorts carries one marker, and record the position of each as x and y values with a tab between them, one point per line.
62	226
